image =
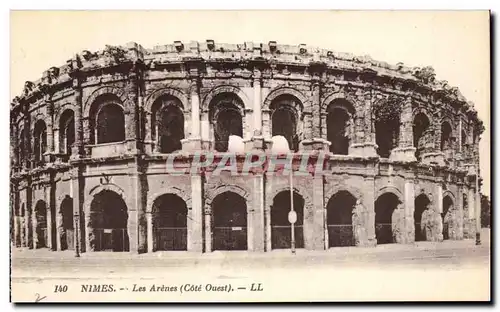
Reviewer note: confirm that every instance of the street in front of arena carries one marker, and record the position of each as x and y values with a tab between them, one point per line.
449	270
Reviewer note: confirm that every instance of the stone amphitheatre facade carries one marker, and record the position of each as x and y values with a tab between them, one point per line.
90	139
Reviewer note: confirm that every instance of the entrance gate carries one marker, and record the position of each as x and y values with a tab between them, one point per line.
281	235
108	222
229	222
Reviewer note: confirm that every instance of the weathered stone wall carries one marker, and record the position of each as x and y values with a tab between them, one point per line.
256	76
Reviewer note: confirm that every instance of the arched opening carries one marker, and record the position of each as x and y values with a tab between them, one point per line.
228	123
338	123
285	118
422	203
229	222
281	235
167	124
385	206
170	223
110	124
226	114
41	224
67	131
40	141
421	134
339	219
446	216
387	123
446	140
107	120
108	222
68	231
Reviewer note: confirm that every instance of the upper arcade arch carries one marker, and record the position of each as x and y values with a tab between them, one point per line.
208	100
107	119
109	91
284	90
167	123
340	114
166	93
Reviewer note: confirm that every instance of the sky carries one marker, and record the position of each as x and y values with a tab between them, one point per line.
454	43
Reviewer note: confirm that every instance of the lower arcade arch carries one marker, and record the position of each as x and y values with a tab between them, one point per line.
422	210
386	206
229	226
339	219
169	223
108	222
281	235
446	216
41	224
67	226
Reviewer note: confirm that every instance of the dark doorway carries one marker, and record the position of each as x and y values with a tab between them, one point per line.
41	224
170	223
67	131
446	216
385	206
284	123
421	205
281	235
40	142
68	231
229	225
110	124
421	134
226	111
337	122
168	127
108	222
228	122
339	219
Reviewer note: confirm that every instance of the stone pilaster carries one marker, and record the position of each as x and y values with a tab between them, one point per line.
59	228
34	223
80	223
193	142
459	217
27	136
207	213
50	129
77	149
131	109
432	153
14	144
257	101
29	216
405	151
267	212
315	140
136	223
205	130
266	123
256	226
367	148
314	218
472	211
195	217
369	212
150	233
258	139
439	211
50	204
409	210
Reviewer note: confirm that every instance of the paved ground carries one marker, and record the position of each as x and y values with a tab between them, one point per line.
451	270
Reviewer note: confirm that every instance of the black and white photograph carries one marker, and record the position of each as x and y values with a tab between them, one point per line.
250	156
